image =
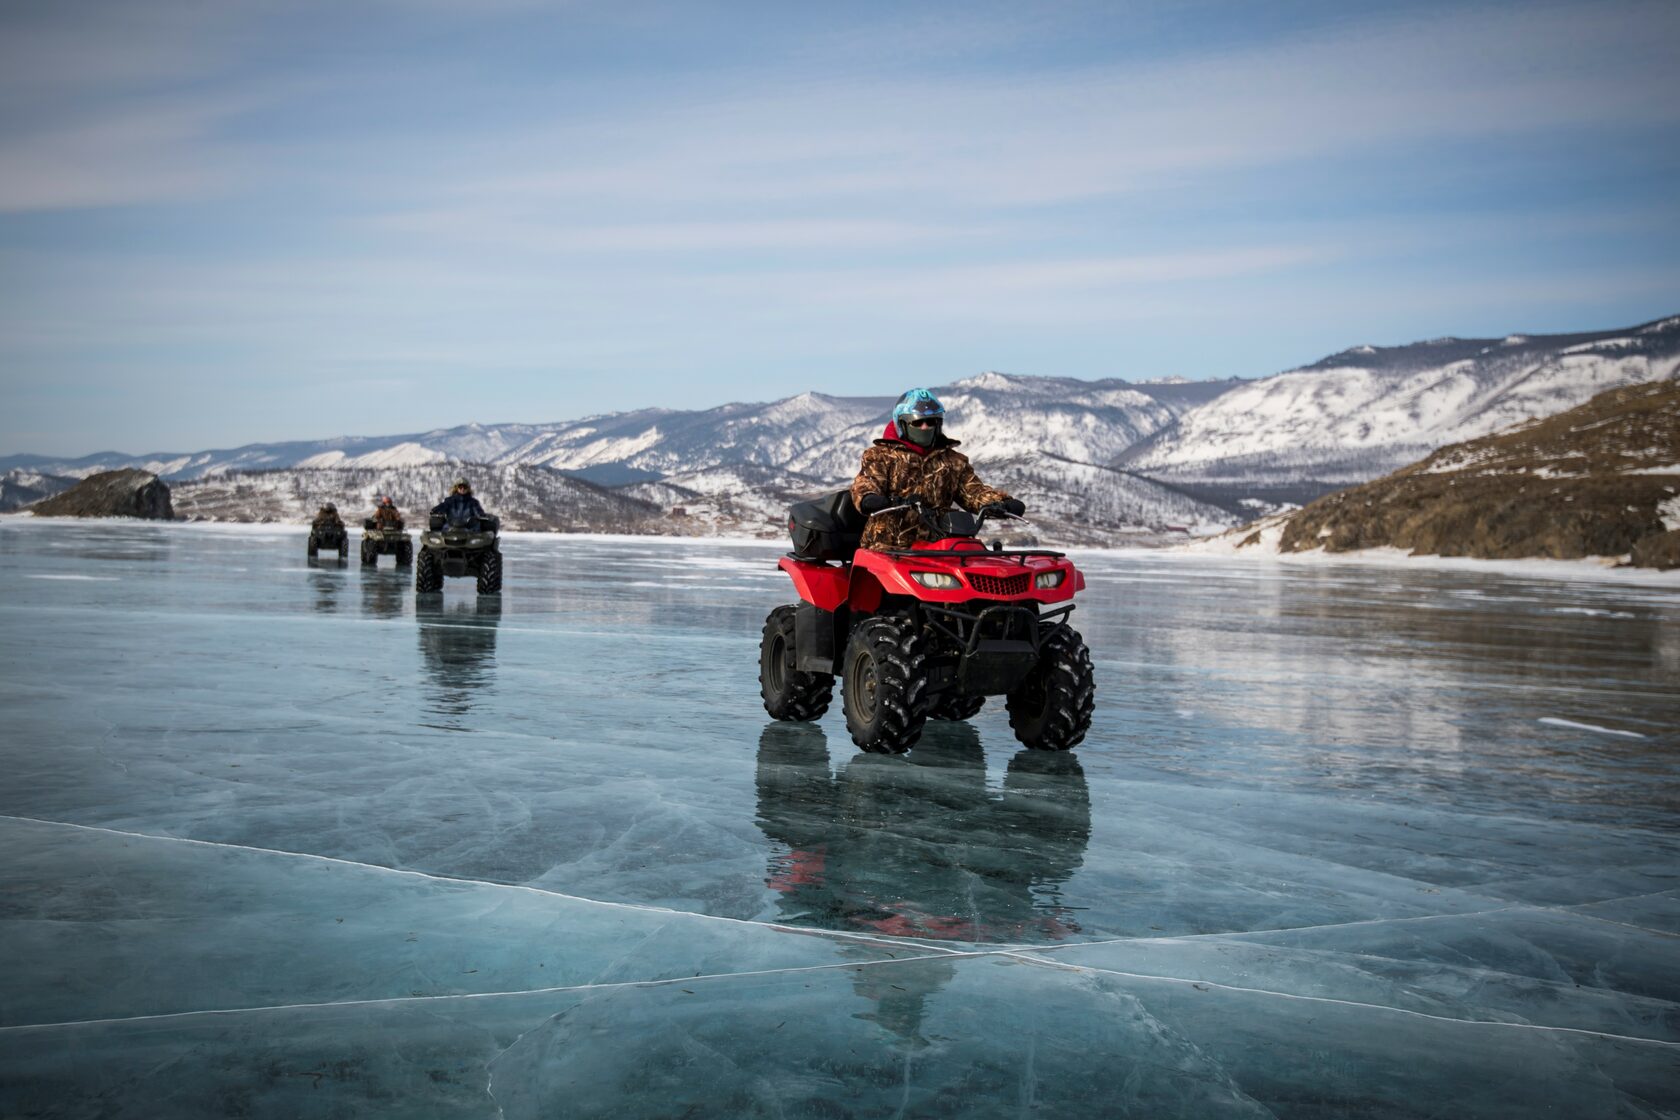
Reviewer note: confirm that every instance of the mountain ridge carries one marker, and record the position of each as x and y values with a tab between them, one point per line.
1098	457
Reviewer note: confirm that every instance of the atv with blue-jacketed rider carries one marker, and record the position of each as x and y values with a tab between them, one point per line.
463	549
926	632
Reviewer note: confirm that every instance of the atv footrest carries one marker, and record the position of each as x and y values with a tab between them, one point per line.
818	637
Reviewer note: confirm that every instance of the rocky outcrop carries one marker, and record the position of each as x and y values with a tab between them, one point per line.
125	493
1601	479
1660	550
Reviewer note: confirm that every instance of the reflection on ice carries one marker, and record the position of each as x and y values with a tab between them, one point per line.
386	592
918	845
1334	847
458	642
327	585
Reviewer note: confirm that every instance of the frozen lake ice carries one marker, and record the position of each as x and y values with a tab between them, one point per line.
1344	841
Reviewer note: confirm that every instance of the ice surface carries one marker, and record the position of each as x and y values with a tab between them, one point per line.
276	840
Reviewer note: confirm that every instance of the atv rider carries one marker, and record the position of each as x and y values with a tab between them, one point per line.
461	509
327	518
914	459
386	516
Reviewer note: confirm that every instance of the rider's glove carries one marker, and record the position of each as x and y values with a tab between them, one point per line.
873	503
1009	505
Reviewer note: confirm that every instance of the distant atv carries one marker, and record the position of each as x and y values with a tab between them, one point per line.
389	540
927	632
457	551
329	537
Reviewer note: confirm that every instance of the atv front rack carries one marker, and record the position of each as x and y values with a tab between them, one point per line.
963	556
967	628
993	659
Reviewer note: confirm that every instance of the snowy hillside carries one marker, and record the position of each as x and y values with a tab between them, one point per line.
1080	504
19	487
1367	411
997	416
524	497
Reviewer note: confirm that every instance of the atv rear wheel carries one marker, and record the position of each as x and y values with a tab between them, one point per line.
490	573
344	547
884	687
952	706
788	693
427	577
1051	709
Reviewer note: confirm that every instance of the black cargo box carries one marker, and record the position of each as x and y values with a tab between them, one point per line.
826	528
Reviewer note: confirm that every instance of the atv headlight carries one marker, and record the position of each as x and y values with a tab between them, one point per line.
1047	580
938	581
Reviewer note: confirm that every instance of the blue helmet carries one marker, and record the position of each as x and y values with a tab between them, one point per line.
918	404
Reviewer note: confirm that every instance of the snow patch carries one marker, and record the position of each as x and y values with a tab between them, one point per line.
1669	511
991	379
1553	721
79	579
400	455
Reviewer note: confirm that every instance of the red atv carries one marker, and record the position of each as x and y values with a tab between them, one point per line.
925	633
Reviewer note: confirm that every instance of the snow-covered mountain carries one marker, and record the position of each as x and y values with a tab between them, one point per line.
734	468
1093	458
1370	410
997	415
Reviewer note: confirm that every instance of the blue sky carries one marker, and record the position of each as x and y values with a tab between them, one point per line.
222	223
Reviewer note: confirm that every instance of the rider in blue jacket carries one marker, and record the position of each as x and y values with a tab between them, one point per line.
461	509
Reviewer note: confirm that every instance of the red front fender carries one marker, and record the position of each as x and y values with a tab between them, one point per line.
819	584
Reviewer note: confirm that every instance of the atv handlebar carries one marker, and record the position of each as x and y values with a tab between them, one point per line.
929	514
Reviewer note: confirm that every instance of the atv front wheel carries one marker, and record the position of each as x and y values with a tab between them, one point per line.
427	577
954	707
490	573
1051	709
369	556
884	687
788	693
405	554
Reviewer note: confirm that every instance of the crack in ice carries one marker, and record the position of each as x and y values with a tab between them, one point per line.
1035	955
1203	985
635	907
614	985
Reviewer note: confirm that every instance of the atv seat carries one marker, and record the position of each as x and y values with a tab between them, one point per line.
826	528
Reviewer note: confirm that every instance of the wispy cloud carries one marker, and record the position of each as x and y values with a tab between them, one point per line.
658	194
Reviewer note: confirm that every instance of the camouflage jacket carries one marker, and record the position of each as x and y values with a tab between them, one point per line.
328	521
942	478
387	517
